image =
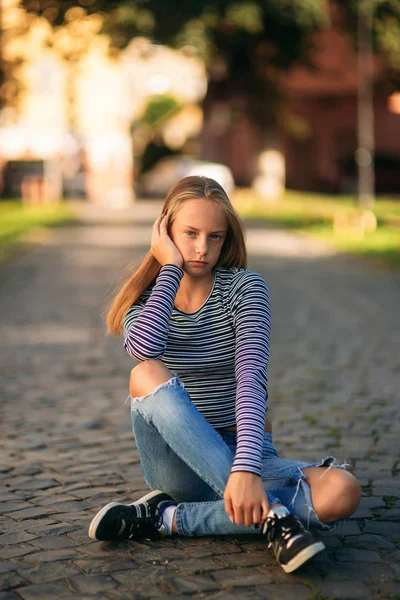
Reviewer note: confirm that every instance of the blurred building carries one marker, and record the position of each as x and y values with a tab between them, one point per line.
312	148
78	123
317	132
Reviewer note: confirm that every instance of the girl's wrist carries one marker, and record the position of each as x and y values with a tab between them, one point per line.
250	473
173	264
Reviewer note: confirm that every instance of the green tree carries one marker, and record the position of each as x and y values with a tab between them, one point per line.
251	39
246	44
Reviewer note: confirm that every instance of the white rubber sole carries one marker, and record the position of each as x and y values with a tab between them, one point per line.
303	556
97	518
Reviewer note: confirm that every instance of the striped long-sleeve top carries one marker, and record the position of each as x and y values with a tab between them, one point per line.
220	352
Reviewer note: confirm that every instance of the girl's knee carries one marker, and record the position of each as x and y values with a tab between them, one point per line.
146	376
336	495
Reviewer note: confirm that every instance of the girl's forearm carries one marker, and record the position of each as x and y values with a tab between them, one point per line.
147	337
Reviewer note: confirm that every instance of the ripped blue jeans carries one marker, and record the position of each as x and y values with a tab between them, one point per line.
184	456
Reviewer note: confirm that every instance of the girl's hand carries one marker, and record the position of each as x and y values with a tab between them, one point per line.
162	247
245	499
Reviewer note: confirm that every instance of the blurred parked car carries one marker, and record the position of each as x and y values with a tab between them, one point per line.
167	171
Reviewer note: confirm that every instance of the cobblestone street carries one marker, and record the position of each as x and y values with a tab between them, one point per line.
67	447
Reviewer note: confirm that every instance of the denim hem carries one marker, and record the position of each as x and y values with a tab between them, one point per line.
178	521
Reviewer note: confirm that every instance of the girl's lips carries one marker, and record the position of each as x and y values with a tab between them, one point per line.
198	262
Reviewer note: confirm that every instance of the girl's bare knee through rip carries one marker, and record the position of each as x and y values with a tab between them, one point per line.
335	494
146	376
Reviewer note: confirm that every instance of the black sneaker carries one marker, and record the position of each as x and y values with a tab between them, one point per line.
290	542
137	521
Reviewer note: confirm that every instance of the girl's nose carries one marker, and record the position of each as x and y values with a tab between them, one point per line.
201	246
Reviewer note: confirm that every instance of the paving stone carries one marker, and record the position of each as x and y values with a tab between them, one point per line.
252	545
48	571
210	549
224	595
350	554
33	511
45	591
16	550
51	528
52	555
16	538
368	541
396	571
342	530
158	554
11	580
37	484
101	549
389	589
46	500
142	577
70	505
78	516
195	566
191	584
13	505
392	513
5	468
141	591
244	559
80	534
7	566
369	573
285	591
362	513
384	528
118	594
386	490
332	543
105	566
32	470
372	502
346	590
241	577
54	542
91	584
66	489
9	496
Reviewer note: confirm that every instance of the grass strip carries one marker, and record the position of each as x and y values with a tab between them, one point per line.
336	221
17	220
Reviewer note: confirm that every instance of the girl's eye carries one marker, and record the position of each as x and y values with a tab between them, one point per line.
215	236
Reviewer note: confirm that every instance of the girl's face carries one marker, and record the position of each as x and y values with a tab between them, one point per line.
199	231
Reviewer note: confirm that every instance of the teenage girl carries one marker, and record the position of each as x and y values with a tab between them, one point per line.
198	323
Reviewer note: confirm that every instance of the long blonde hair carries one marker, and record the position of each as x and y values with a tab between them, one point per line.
233	252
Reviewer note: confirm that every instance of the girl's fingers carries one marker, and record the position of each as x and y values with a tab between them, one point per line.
157	222
229	509
239	516
264	511
157	227
256	515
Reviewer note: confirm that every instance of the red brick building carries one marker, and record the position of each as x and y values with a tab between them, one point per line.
320	137
318	128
